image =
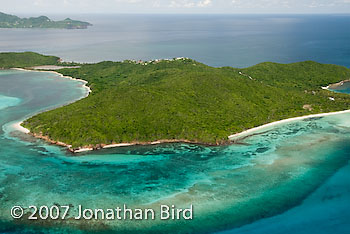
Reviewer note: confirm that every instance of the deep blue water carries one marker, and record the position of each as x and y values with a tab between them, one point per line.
217	40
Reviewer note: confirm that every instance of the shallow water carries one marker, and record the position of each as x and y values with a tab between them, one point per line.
6	101
327	210
228	186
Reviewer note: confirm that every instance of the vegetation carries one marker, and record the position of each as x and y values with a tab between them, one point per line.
26	59
186	100
12	21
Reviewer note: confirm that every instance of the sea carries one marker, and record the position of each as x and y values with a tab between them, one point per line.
292	178
216	40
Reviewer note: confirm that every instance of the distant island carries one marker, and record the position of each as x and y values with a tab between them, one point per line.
180	100
12	21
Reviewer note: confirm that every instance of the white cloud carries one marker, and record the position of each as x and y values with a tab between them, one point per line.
176	6
128	1
297	5
204	3
189	4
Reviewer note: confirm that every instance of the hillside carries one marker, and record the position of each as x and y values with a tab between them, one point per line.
186	100
12	21
25	59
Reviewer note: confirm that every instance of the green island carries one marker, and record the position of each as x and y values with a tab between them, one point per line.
183	100
12	21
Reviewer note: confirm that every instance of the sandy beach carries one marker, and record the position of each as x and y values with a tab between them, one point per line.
337	85
18	125
53	67
61	75
237	136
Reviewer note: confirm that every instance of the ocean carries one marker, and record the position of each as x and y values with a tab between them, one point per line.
293	178
216	40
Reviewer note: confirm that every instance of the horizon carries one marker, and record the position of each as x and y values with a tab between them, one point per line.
176	7
171	13
79	16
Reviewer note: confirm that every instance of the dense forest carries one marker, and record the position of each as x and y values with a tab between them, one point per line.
187	100
26	59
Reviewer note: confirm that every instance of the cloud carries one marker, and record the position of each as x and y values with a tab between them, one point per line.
189	4
297	5
258	4
128	1
204	3
176	6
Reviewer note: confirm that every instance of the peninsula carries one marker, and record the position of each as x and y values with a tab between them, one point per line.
183	100
12	21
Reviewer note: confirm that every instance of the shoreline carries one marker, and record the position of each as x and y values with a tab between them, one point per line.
240	135
61	75
109	146
18	125
337	85
234	138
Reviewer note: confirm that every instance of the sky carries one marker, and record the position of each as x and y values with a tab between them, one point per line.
175	6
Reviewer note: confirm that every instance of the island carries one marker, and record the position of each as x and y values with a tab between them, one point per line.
181	100
12	21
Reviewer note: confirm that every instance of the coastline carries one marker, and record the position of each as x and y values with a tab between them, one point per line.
337	85
61	75
107	146
18	125
240	135
234	138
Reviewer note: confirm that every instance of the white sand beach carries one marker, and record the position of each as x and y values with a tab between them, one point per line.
83	150
17	126
265	126
61	75
53	67
116	145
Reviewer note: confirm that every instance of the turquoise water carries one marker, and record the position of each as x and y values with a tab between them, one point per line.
327	210
8	101
216	40
228	186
